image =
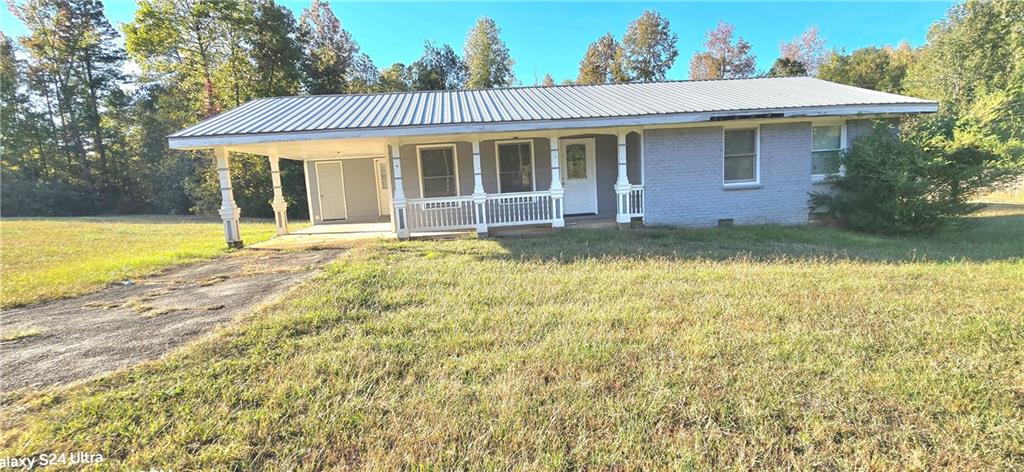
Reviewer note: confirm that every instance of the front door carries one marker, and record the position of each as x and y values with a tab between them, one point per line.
579	175
380	172
330	186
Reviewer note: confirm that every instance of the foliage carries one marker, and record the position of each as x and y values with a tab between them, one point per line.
872	67
648	48
439	68
785	67
899	186
604	62
758	347
548	81
488	61
331	60
808	49
723	59
51	258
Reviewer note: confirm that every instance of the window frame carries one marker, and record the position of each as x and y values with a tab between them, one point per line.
455	165
533	163
741	184
842	148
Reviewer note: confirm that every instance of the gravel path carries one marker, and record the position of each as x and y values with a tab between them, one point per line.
57	342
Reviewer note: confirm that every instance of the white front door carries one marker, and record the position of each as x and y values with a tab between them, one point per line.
579	175
380	172
330	186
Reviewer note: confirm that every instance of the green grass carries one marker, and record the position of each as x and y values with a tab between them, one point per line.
49	258
738	348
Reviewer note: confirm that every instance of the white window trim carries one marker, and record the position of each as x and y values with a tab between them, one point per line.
756	183
455	164
533	162
816	178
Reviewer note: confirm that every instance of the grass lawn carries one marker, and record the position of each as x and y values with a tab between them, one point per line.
49	258
766	347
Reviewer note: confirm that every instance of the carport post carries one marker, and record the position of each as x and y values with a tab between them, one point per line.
229	212
280	206
399	218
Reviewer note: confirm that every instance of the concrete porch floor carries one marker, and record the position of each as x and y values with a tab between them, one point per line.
329	235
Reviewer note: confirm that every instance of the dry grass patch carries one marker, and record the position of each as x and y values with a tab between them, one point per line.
721	349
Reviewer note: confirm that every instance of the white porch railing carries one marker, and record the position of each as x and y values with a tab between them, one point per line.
635	201
440	214
521	208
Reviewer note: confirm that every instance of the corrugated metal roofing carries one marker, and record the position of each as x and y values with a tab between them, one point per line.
519	104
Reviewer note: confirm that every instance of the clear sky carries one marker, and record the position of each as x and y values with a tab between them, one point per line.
552	37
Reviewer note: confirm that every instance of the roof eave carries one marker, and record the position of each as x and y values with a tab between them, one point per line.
207	142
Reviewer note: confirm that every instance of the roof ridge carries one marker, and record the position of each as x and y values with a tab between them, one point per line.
520	87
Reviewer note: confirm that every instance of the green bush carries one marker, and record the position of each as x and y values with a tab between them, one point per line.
895	186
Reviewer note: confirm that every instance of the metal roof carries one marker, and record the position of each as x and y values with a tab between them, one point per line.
383	111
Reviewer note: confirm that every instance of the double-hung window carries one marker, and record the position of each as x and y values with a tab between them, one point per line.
740	156
515	167
826	146
438	174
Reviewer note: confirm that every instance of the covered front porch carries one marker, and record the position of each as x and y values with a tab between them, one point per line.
428	185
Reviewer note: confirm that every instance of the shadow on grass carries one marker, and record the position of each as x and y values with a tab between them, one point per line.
995	237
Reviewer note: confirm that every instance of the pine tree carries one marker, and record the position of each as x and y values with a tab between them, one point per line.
604	62
649	47
487	58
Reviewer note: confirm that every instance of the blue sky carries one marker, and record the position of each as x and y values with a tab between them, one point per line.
552	37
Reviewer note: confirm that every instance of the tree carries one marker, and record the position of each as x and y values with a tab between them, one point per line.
808	49
785	67
875	68
722	58
439	68
487	58
548	81
331	60
649	47
274	50
604	62
396	78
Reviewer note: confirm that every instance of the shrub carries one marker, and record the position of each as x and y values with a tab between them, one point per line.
895	186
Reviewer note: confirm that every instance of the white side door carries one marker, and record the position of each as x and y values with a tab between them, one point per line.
579	175
330	186
381	173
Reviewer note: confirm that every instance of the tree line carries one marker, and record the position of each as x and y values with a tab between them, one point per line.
85	120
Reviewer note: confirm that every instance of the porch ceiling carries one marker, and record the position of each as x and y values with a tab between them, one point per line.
316	149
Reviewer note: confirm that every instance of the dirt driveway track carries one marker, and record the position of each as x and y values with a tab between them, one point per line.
125	324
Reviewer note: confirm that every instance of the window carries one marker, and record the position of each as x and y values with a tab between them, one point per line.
740	156
438	176
826	145
576	161
515	167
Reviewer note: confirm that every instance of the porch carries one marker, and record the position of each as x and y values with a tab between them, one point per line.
430	186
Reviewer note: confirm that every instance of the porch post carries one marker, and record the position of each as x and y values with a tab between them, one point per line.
399	219
557	216
229	212
479	197
622	186
279	205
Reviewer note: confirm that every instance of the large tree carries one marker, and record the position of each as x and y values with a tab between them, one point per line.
723	58
331	60
876	68
649	47
807	49
786	67
604	62
439	68
274	50
487	58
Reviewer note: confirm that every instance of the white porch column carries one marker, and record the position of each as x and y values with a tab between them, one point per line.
229	212
399	218
479	197
622	186
279	205
557	213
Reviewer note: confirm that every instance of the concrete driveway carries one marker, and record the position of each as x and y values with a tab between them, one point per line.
58	342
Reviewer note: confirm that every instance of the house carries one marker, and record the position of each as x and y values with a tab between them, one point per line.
683	153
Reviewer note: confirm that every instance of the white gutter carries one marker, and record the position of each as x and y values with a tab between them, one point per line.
207	142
